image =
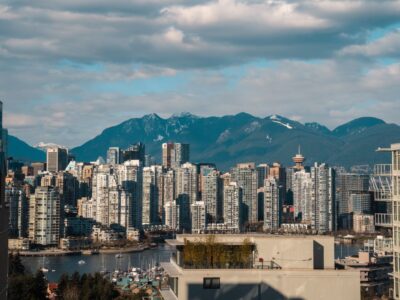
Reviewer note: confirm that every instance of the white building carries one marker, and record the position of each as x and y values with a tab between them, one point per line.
152	176
44	216
302	187
272	204
314	197
210	194
117	192
198	214
276	267
172	215
233	218
246	177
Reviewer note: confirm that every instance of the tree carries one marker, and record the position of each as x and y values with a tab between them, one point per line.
15	266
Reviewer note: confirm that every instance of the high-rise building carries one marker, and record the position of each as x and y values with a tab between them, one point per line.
3	214
135	152
272	204
352	196
186	187
114	156
150	210
44	216
302	189
57	159
245	176
395	196
38	167
171	217
233	204
175	154
262	174
117	194
323	198
211	194
19	211
279	173
198	215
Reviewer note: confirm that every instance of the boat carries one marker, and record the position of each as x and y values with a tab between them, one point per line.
81	262
43	269
119	255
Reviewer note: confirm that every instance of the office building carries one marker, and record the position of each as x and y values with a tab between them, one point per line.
186	187
3	214
45	216
151	194
135	152
269	267
233	207
38	167
352	196
114	156
211	194
19	212
262	174
245	176
57	159
175	154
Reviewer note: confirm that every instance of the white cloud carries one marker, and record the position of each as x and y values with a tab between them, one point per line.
56	56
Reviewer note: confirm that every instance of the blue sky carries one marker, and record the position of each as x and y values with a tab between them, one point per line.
72	68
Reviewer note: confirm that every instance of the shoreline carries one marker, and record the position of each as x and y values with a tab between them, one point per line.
78	252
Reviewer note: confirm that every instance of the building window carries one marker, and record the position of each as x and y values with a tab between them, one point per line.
211	283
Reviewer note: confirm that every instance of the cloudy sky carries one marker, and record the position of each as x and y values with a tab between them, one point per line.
71	68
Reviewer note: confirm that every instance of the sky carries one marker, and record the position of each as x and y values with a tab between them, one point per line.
69	68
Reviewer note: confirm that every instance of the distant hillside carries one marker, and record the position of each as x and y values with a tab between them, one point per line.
22	151
236	138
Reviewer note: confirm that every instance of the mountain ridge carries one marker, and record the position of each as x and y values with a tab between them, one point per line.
229	139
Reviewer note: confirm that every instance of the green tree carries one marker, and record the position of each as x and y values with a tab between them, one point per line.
15	266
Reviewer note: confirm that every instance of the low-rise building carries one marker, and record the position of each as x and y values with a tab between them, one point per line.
104	234
257	266
363	223
374	272
19	244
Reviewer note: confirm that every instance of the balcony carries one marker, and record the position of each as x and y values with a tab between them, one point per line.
383	220
383	170
381	186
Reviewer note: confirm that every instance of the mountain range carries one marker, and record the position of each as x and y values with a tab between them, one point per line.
230	139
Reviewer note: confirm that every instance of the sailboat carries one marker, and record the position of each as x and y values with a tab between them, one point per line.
103	268
43	269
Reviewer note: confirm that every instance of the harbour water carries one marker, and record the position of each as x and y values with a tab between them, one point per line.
57	265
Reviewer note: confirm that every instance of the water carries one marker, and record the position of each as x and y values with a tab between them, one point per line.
96	263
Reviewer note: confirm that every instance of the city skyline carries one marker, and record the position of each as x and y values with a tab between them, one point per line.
328	62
